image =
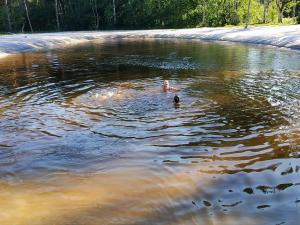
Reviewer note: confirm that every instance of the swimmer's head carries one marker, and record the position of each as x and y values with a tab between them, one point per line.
176	99
166	84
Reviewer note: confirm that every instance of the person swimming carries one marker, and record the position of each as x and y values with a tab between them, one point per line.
106	94
176	99
166	86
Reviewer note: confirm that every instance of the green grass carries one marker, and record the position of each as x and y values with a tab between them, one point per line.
285	22
4	34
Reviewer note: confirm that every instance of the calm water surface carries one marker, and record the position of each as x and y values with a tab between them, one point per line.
87	137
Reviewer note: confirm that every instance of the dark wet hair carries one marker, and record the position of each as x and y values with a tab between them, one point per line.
176	99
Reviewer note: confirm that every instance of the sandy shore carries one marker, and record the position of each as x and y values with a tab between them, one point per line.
279	36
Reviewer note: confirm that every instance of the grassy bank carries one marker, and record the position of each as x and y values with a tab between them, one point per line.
285	22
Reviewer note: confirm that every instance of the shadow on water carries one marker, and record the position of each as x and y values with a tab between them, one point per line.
87	136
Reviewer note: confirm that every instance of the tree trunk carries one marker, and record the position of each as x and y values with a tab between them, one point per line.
294	9
203	14
235	12
23	26
57	16
159	12
96	14
248	14
266	6
114	11
280	8
27	14
7	9
280	15
62	11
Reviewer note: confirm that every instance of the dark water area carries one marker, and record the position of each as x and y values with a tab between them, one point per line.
88	137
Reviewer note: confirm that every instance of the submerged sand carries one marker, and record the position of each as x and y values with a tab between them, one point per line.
279	36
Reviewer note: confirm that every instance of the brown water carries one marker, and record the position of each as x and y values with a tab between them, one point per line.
87	137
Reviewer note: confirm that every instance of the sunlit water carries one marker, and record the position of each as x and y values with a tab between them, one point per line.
87	136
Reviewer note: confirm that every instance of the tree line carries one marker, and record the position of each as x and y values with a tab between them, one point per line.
64	15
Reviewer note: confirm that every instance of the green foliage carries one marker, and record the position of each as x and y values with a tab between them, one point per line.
256	12
272	13
140	14
40	22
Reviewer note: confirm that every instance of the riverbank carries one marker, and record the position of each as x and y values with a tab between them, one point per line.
279	36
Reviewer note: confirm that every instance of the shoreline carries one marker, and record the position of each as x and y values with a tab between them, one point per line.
277	36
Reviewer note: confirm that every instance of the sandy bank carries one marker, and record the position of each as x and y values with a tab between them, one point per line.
279	36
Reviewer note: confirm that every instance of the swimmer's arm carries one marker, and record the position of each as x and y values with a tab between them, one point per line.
173	89
169	89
